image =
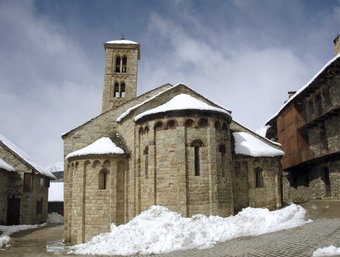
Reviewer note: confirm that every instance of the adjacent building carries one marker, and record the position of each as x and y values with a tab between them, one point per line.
23	187
170	146
308	128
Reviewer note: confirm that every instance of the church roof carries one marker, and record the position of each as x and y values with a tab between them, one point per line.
248	144
121	41
4	165
182	102
24	157
103	145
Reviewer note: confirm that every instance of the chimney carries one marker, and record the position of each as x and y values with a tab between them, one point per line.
291	93
336	42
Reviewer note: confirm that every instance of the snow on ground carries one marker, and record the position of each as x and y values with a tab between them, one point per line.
159	230
55	218
247	144
103	145
8	230
56	192
327	251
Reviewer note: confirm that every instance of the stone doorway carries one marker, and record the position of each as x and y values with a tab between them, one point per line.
13	211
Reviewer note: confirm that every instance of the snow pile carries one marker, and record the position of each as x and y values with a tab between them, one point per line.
327	251
56	192
248	144
182	102
25	157
4	165
159	230
103	145
8	230
55	218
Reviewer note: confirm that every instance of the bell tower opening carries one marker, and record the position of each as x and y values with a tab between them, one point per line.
120	77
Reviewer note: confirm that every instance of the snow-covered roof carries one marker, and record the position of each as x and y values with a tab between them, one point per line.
103	145
182	102
4	165
247	144
56	192
122	41
124	114
20	153
304	87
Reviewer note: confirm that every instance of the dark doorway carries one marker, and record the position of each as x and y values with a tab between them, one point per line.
325	178
13	211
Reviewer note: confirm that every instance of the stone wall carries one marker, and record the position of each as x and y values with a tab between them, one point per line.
4	179
28	200
247	193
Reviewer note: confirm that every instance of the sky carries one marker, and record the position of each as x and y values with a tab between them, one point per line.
245	55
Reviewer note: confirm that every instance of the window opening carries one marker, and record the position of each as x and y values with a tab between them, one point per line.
117	64
203	123
258	178
197	144
28	182
146	162
116	90
124	62
189	123
122	89
103	179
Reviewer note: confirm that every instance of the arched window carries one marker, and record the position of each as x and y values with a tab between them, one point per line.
217	125
116	90
224	127
124	62
171	124
117	64
203	123
146	161
141	131
258	178
189	123
146	129
103	175
122	89
158	126
222	153
197	144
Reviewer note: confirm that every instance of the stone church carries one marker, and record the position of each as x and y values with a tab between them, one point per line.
170	146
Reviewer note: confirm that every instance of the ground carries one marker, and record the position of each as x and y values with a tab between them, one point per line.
296	242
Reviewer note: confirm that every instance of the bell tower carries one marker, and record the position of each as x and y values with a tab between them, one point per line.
120	78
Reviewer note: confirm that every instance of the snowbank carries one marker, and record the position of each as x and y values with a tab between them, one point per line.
327	251
55	218
159	230
8	230
103	145
248	144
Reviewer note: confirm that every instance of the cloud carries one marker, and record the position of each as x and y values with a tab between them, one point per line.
48	85
251	81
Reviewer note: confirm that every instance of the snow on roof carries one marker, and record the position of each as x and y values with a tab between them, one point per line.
304	87
182	102
122	41
4	165
58	166
103	145
248	144
25	157
124	114
56	192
